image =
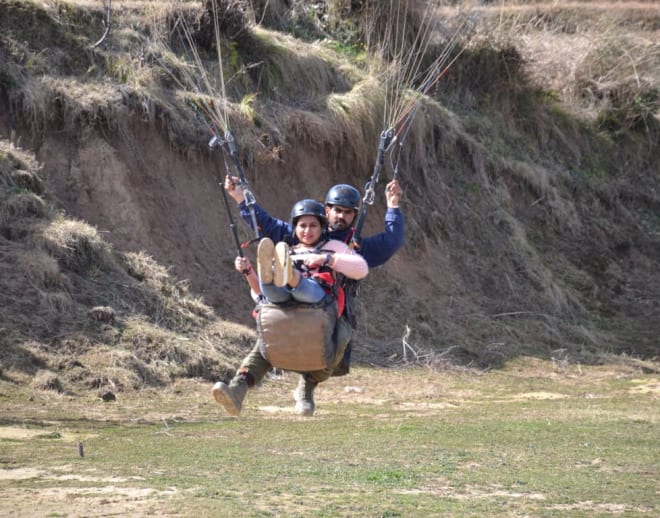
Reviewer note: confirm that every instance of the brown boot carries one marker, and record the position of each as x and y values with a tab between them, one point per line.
231	396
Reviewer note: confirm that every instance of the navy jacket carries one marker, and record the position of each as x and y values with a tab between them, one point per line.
376	249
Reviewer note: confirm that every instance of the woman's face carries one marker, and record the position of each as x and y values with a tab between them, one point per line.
308	230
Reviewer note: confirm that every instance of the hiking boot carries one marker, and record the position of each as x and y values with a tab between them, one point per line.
265	252
283	267
231	396
304	396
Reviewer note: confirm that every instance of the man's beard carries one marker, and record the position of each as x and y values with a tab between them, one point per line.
339	225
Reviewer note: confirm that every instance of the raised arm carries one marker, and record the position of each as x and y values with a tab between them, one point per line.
274	228
379	248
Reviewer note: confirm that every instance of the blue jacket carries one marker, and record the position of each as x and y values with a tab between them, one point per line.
376	249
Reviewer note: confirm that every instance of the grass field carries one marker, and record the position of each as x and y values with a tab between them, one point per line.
533	439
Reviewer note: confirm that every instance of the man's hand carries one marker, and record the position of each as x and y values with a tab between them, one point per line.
393	194
234	190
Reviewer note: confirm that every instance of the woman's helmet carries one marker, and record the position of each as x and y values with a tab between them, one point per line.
343	195
308	207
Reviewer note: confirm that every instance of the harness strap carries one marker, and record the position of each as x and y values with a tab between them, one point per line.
327	278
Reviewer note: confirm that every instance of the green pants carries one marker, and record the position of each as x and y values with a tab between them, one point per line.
257	366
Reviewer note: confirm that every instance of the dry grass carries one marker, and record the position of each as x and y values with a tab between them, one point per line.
76	245
597	56
421	442
43	270
509	247
60	268
46	380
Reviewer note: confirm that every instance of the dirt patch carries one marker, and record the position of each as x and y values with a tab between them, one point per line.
539	396
646	386
108	495
107	500
15	433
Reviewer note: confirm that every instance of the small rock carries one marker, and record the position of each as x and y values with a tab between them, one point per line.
357	390
107	395
102	314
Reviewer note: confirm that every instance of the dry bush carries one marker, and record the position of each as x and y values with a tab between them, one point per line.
47	380
598	57
76	245
357	113
280	14
168	301
57	303
233	17
15	164
157	355
293	71
20	193
391	29
22	205
104	314
143	267
28	180
129	373
620	76
43	271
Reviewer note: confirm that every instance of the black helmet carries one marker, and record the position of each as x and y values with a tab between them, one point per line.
344	196
308	207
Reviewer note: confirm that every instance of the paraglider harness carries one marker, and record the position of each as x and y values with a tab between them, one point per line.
325	276
311	343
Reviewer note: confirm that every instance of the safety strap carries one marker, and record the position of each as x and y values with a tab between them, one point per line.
327	277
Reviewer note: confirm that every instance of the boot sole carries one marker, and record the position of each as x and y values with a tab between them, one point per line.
225	400
304	412
265	252
282	268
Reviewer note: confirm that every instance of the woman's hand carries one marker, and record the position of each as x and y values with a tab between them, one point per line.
242	264
317	260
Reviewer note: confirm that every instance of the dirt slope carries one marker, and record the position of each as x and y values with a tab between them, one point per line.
530	228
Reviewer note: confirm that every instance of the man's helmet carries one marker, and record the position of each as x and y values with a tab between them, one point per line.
344	196
308	207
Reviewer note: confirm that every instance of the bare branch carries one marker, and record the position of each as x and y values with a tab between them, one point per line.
106	22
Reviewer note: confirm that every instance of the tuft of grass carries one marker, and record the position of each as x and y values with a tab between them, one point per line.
291	70
46	380
22	205
76	245
43	270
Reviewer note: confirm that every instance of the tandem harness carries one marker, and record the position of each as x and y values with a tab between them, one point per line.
303	337
298	337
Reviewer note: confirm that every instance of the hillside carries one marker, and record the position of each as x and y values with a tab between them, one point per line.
531	184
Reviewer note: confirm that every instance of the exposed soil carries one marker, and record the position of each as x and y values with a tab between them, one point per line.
530	229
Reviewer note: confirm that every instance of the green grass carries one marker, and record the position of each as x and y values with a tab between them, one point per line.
450	444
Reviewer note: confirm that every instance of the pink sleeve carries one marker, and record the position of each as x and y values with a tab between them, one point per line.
347	261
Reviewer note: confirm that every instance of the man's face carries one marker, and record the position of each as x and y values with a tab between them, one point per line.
339	218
